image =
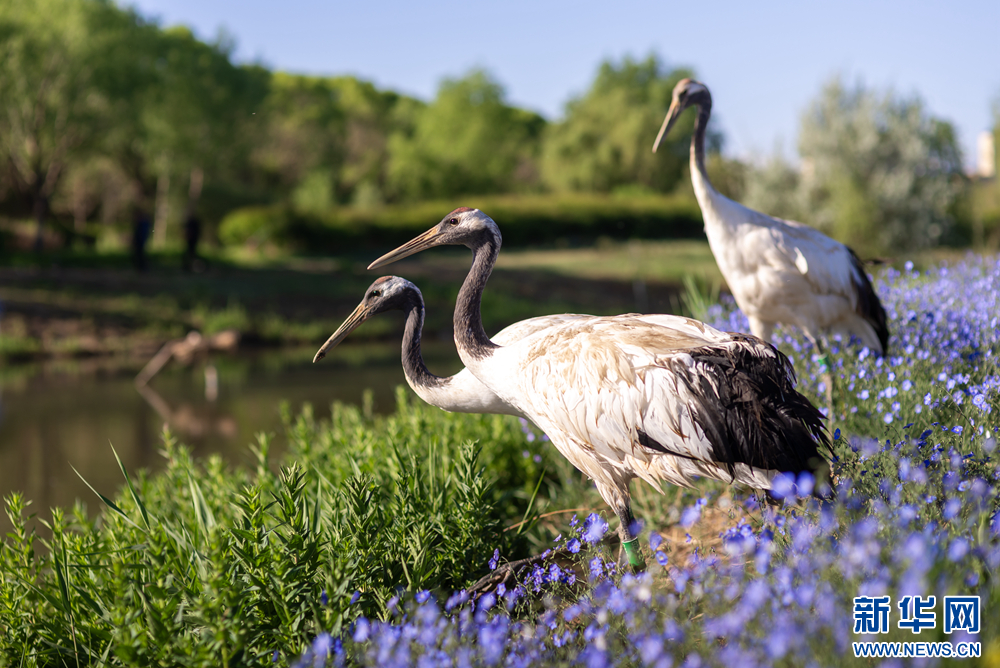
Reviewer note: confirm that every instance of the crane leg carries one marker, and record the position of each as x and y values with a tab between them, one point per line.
630	542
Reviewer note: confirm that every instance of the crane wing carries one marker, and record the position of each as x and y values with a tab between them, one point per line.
525	328
791	247
632	394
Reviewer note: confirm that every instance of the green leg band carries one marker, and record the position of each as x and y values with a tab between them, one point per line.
824	362
635	559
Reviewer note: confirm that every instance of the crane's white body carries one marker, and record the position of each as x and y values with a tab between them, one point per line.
593	384
464	393
781	271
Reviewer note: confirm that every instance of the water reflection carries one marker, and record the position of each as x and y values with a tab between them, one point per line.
57	415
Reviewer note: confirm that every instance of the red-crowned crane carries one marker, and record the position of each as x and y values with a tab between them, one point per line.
779	271
461	393
621	397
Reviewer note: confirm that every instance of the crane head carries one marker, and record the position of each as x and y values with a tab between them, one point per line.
385	294
461	227
687	92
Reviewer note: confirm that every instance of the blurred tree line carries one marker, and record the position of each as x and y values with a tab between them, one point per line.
105	116
877	170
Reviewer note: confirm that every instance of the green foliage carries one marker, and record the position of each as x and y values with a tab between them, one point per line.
57	92
203	565
878	172
468	141
137	119
526	221
696	300
332	132
773	187
253	226
605	141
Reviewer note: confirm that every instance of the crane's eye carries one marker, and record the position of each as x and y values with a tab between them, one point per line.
375	293
453	221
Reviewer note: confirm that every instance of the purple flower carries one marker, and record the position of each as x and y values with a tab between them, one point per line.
655	540
650	649
362	629
783	486
495	560
594	528
951	508
321	649
690	515
958	549
573	545
805	483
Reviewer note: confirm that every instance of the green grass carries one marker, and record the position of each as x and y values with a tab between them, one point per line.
91	304
204	564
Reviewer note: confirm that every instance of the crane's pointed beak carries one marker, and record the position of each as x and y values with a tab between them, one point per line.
672	114
360	314
428	239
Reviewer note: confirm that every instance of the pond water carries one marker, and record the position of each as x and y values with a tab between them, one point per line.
58	416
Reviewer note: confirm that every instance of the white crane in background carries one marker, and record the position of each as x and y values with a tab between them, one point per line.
621	397
779	271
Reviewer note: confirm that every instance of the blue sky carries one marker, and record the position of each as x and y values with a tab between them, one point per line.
763	63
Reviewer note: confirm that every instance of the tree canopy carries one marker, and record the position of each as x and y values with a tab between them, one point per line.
878	171
105	115
605	141
468	140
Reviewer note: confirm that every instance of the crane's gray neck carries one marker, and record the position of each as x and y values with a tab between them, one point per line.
698	139
413	362
470	337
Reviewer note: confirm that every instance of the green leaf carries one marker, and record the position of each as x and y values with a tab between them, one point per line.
108	502
131	489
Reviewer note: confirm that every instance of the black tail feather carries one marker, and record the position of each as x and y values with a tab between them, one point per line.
752	413
869	307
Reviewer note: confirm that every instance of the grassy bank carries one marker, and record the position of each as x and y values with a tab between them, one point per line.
77	304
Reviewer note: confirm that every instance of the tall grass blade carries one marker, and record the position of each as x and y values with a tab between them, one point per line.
204	515
108	502
131	489
531	504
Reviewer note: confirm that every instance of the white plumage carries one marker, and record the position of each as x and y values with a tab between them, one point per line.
779	271
662	398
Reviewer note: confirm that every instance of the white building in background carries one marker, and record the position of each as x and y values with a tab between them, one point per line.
986	155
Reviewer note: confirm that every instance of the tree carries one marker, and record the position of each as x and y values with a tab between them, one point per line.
326	140
195	117
774	188
879	172
468	140
606	138
51	102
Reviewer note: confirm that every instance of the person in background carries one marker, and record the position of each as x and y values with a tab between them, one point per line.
141	228
192	234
